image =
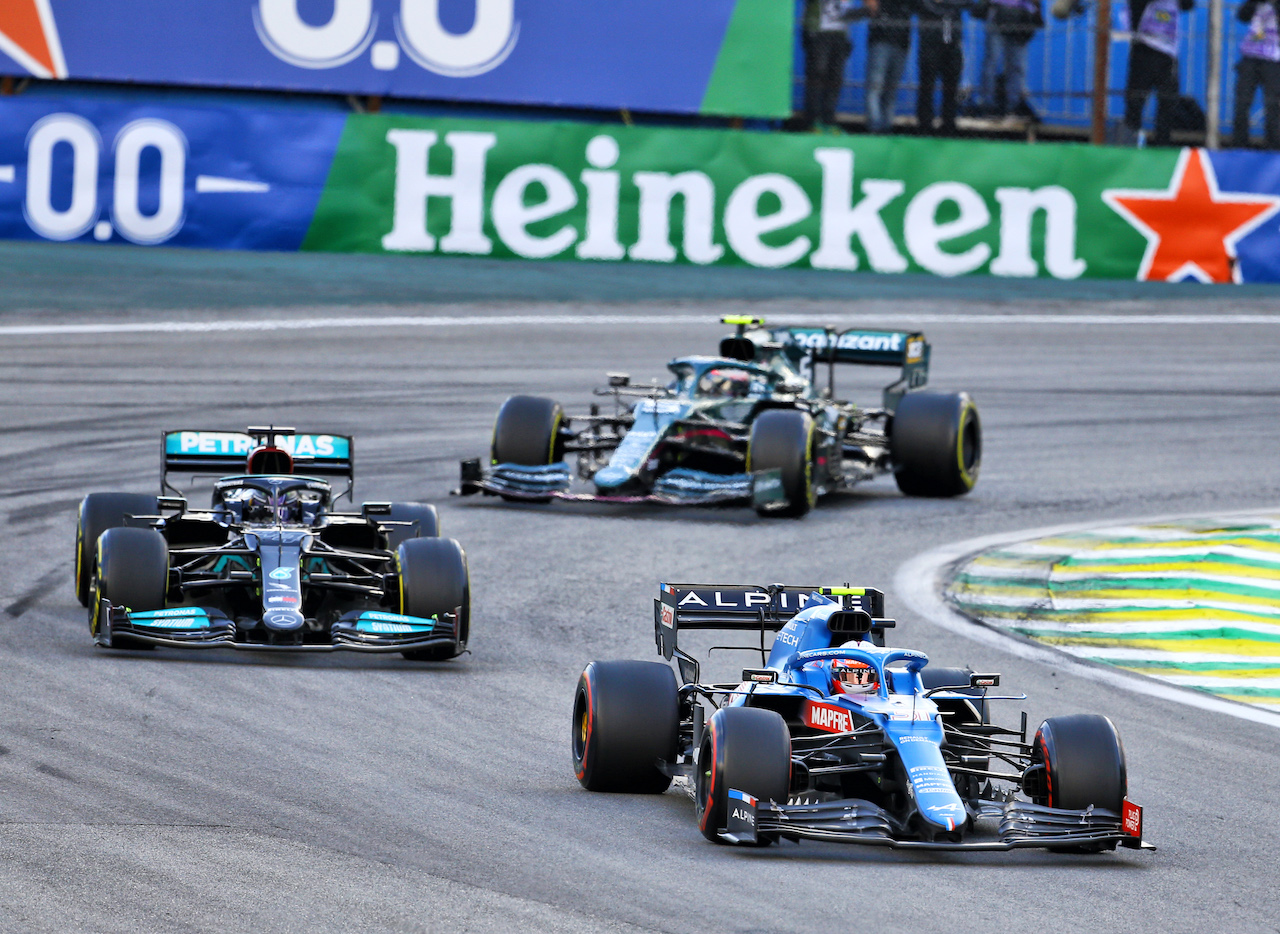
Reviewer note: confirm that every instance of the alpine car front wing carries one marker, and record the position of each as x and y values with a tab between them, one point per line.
851	820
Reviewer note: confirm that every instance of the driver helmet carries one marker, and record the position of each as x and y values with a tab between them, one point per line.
727	382
269	460
849	676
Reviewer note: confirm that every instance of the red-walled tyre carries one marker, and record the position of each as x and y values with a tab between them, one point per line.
625	719
744	748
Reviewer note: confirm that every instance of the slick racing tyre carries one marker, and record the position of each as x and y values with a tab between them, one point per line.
935	441
423	515
434	580
743	748
527	432
782	439
132	570
625	718
99	512
1082	762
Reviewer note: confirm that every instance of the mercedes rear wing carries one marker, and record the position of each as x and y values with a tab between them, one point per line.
747	608
906	349
226	452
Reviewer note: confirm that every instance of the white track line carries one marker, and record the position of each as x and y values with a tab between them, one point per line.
919	584
609	320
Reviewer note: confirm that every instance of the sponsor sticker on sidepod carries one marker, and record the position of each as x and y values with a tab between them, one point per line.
828	717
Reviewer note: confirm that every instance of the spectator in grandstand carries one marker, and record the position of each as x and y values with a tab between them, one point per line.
888	40
1153	64
826	42
1010	26
940	57
1259	67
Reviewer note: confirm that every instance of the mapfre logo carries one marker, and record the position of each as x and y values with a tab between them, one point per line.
828	717
352	27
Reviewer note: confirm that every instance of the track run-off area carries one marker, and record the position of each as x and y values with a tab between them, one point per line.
197	791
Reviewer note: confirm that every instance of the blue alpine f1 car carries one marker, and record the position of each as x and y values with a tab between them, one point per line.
838	737
752	424
271	563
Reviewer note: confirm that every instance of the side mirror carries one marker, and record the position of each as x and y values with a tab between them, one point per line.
618	380
984	681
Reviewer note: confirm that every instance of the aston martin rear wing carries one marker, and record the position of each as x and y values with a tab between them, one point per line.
225	452
906	349
745	608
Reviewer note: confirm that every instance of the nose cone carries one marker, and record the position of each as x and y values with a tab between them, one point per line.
612	478
280	620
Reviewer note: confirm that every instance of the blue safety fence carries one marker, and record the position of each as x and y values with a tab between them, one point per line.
1060	64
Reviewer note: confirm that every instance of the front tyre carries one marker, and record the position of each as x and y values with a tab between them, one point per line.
747	748
625	719
527	432
782	439
1083	762
99	512
433	580
935	440
132	571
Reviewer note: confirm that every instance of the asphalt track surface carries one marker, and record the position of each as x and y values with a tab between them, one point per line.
221	791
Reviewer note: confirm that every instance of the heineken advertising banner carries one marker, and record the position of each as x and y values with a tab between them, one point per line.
671	56
284	179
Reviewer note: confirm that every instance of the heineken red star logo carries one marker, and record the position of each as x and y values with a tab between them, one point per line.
1191	227
29	36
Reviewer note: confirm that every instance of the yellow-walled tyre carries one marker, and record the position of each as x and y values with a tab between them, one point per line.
434	579
99	512
782	439
935	442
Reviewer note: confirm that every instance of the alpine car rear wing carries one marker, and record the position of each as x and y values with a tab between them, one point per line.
746	608
226	452
906	349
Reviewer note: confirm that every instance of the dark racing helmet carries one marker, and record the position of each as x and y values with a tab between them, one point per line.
269	460
725	382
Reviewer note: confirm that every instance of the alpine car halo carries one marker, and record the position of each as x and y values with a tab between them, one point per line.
271	564
839	738
750	425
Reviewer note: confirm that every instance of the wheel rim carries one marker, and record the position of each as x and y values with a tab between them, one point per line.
970	446
581	731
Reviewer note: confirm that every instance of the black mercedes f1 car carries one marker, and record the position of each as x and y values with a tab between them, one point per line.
271	563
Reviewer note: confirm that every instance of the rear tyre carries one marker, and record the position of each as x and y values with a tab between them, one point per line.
527	432
625	718
935	440
424	514
434	580
747	748
131	570
782	439
99	512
